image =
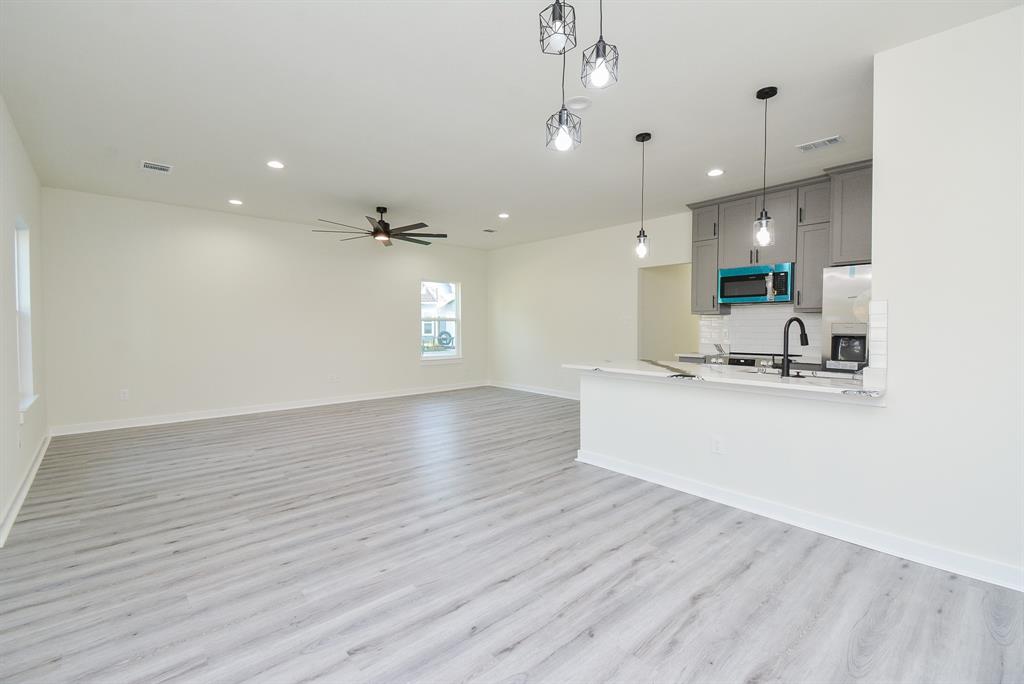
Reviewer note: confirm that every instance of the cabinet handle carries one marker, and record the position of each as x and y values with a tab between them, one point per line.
801	214
757	255
798	297
714	229
712	301
751	257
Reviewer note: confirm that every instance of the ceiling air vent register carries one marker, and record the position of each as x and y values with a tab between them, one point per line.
156	166
818	144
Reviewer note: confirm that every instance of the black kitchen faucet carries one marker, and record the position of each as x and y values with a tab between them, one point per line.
785	343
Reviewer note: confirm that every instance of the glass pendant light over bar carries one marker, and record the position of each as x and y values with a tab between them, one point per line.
600	60
564	129
557	28
764	228
641	237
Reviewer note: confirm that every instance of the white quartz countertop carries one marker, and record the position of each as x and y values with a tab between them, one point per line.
731	377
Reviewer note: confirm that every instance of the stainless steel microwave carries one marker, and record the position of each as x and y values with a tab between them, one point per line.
756	284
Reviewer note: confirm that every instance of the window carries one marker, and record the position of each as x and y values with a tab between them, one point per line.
439	320
23	307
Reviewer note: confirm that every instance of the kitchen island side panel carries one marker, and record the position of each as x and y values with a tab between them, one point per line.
825	466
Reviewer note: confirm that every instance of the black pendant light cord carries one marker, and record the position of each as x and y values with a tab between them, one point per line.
600	14
764	165
563	78
643	180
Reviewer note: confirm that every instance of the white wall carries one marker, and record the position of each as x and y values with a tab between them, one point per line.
665	325
948	184
571	298
938	474
19	443
197	312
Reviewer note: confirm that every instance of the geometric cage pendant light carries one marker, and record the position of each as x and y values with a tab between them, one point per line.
557	28
764	225
600	60
564	129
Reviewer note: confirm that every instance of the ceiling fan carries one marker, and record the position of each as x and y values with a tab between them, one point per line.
382	231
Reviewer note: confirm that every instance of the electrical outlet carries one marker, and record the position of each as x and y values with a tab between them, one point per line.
124	395
717	447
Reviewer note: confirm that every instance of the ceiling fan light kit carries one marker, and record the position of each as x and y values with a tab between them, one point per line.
381	231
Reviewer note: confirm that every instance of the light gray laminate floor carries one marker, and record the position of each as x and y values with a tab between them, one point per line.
443	538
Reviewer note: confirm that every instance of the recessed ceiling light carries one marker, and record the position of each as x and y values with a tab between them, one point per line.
578	103
503	215
274	164
715	172
235	202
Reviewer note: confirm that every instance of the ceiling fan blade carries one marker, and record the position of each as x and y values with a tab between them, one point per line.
375	223
346	232
411	226
342	224
423	235
405	238
355	238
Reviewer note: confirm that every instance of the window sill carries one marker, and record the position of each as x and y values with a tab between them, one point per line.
24	405
441	360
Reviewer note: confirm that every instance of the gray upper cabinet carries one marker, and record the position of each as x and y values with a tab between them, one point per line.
851	217
736	233
814	204
812	244
782	207
818	222
704	279
705	223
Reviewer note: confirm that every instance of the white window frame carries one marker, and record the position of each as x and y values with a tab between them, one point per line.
447	358
23	312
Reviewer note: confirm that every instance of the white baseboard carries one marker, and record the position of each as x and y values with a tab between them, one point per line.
957	562
7	522
142	421
539	390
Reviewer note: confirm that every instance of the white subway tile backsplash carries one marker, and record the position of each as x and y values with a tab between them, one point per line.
758	328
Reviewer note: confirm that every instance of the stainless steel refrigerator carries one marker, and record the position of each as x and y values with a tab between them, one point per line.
844	317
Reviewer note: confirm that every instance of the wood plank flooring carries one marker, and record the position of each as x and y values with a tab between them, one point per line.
448	538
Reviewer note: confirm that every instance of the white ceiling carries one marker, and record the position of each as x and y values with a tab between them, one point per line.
437	109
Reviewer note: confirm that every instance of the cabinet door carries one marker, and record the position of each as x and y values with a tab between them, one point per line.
704	278
815	204
851	218
736	233
705	223
811	258
782	209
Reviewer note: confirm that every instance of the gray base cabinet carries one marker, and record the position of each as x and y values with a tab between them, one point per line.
704	279
851	217
812	245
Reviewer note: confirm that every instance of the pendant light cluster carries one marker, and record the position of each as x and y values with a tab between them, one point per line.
600	68
764	225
